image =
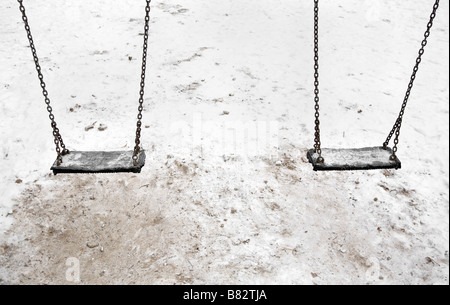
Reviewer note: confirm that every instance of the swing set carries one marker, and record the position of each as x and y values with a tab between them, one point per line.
326	159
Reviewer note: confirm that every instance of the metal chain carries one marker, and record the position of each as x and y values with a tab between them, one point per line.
137	147
398	123
317	141
56	134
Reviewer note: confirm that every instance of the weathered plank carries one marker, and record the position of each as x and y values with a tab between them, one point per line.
354	159
99	162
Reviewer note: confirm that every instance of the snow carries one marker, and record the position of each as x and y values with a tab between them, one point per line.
227	195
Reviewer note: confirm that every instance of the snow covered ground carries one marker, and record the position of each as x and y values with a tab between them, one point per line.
227	195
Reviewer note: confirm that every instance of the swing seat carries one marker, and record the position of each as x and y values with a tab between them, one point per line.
354	159
91	162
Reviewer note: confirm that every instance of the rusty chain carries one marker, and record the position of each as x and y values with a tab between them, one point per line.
317	141
59	143
137	147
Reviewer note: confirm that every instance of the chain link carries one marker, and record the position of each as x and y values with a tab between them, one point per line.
137	147
317	141
59	143
398	123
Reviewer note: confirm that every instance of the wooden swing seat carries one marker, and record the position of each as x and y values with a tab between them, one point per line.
354	159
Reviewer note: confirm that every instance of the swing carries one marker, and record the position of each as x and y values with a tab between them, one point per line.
72	162
382	157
